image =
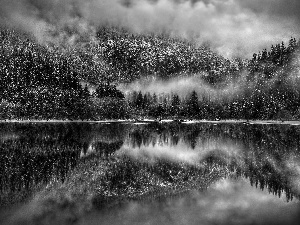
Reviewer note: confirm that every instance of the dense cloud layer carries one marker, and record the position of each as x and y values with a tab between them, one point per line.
281	8
232	27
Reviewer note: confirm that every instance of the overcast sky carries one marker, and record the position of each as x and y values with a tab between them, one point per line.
231	27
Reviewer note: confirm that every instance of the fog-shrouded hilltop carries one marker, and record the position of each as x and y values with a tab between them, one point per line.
122	74
202	59
233	28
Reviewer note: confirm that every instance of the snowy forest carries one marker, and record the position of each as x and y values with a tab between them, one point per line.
90	81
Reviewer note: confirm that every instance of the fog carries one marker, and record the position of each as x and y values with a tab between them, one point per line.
159	149
226	202
293	164
183	86
231	27
235	89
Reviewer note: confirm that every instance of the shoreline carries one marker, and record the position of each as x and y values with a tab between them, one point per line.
147	121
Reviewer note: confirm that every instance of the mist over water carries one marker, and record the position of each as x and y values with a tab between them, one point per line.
176	150
227	201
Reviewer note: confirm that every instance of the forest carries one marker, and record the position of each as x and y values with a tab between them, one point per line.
46	82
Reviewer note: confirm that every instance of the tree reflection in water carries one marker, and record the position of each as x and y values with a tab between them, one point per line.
259	153
34	155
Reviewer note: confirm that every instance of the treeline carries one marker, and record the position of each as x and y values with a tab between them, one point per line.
278	58
170	106
38	82
270	92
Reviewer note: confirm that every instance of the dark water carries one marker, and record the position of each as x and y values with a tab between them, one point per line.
149	174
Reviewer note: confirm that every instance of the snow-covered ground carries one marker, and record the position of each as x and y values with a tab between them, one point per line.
147	121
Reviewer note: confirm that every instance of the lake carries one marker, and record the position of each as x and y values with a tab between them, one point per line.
149	173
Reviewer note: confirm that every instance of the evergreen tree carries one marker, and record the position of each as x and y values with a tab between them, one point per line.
193	105
175	105
139	102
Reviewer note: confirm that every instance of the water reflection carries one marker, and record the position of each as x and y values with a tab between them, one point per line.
113	162
228	201
34	155
260	153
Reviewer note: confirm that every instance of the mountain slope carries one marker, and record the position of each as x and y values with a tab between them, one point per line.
35	82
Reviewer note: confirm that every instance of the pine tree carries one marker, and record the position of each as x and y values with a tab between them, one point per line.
193	105
175	105
139	100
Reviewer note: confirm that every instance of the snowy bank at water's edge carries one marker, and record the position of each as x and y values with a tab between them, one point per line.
147	121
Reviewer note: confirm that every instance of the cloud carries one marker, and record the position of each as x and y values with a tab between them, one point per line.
277	8
161	149
293	165
226	202
55	22
183	86
232	27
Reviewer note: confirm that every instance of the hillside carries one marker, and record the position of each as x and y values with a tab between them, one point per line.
34	82
80	82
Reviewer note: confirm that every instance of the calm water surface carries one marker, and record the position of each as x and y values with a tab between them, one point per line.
149	173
